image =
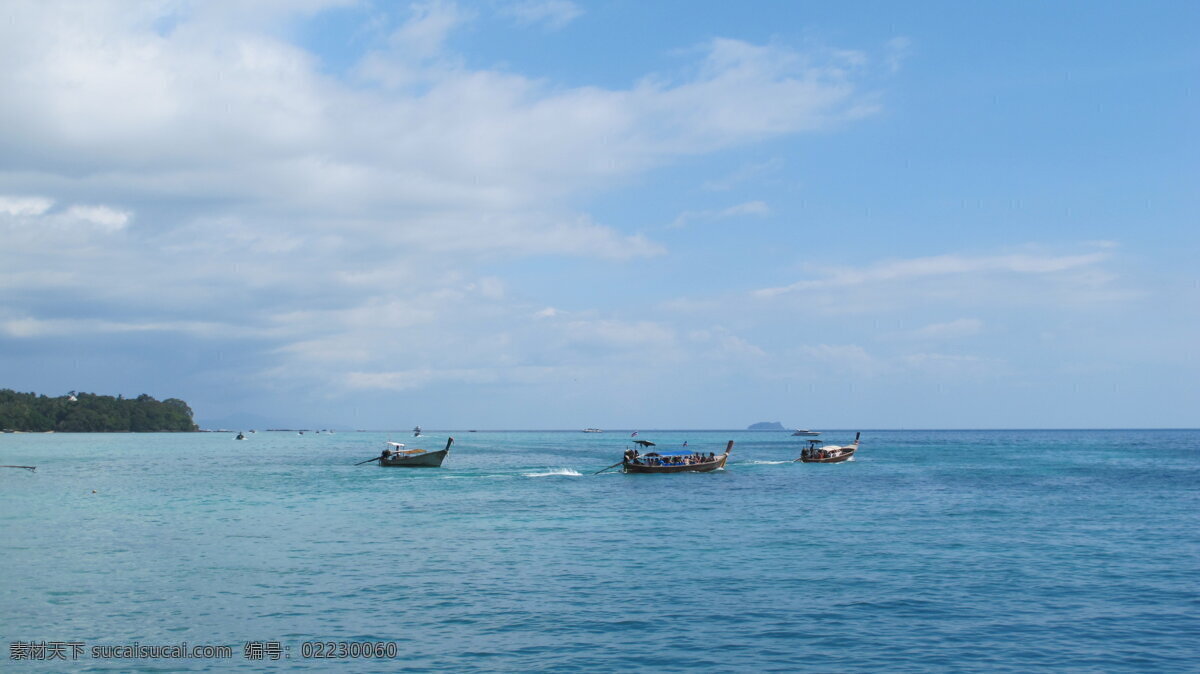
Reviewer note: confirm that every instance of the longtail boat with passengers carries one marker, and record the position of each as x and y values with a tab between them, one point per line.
674	462
395	455
815	453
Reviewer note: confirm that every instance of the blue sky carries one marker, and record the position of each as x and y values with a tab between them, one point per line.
557	214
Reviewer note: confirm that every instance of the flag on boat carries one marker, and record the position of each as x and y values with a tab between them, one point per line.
634	434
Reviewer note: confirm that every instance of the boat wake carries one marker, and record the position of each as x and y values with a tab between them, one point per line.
557	472
763	463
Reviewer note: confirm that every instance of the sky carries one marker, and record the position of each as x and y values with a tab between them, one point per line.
557	214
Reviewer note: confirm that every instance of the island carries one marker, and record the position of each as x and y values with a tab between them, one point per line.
766	426
91	413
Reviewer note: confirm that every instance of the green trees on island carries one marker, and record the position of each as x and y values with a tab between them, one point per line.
88	412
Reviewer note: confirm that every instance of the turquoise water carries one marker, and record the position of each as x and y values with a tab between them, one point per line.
931	551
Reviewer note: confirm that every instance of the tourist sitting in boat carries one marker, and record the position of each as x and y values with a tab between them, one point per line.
656	459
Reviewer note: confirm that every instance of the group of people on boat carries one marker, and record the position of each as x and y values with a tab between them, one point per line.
818	453
656	459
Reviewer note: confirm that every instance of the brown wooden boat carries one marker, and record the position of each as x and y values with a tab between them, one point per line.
396	456
815	453
641	463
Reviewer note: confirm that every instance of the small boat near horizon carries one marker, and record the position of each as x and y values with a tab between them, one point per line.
805	431
592	430
416	431
674	462
815	453
396	455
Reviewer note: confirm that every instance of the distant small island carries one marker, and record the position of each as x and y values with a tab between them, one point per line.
766	426
91	413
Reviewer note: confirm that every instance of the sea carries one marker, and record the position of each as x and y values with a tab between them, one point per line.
930	551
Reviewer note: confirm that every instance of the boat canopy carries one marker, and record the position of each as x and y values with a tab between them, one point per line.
397	444
679	453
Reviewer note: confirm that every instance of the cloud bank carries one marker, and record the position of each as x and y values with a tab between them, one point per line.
187	169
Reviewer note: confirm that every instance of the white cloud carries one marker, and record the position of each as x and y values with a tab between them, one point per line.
757	208
246	116
954	365
425	32
407	380
25	327
24	206
552	14
29	327
413	379
31	215
533	234
725	102
745	173
1032	279
617	334
962	327
940	265
727	345
897	51
849	358
102	217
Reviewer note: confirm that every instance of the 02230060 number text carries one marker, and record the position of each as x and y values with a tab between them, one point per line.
348	649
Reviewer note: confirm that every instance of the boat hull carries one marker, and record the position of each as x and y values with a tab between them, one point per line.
426	460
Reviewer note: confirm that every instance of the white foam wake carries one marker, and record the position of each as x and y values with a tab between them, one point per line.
557	472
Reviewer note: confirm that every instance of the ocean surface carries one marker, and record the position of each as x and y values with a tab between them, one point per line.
997	551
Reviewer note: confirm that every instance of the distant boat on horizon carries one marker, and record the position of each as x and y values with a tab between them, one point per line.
805	431
416	431
592	430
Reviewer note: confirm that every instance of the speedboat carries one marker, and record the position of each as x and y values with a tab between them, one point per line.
805	431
